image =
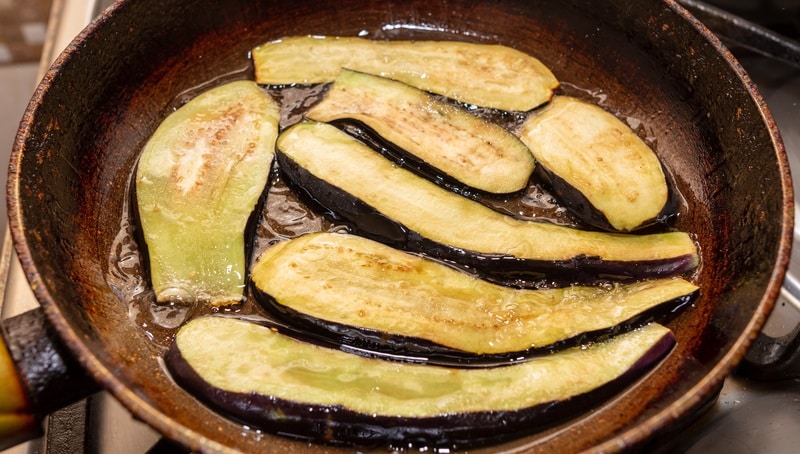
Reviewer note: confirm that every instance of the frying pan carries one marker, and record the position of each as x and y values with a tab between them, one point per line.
80	137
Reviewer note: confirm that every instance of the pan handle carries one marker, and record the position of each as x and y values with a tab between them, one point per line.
37	377
733	29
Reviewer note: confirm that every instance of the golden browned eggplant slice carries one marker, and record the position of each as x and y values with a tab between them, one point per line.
360	292
487	75
597	165
471	150
278	384
395	206
198	180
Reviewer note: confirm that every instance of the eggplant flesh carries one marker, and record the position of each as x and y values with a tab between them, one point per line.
280	384
597	165
486	75
359	292
471	150
197	183
392	205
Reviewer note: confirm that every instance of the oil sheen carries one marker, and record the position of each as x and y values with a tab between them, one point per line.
282	214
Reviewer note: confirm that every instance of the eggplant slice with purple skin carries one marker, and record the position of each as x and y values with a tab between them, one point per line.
355	291
487	75
355	184
198	182
260	377
469	149
597	165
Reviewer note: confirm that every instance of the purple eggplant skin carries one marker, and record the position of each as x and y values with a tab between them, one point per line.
337	425
407	160
370	340
583	210
508	270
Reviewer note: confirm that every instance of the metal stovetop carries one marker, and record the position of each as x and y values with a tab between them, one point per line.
749	415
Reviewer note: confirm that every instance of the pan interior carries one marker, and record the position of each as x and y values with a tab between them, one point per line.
71	171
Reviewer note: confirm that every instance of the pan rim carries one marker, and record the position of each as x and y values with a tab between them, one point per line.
631	437
713	380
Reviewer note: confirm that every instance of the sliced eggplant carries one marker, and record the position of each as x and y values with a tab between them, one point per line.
393	205
471	150
198	180
487	75
278	384
597	165
356	291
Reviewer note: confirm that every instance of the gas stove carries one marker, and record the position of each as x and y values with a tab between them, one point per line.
757	409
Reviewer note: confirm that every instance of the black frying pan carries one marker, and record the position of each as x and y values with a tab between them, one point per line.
85	126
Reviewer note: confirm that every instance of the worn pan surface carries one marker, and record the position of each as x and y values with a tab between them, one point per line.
106	94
